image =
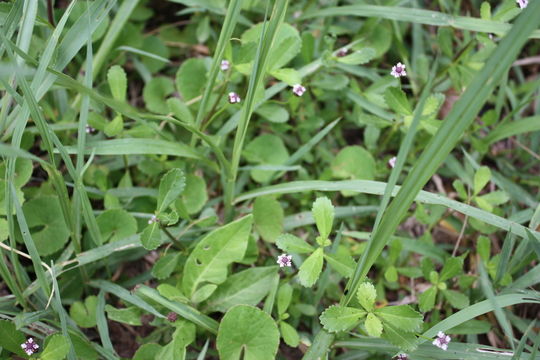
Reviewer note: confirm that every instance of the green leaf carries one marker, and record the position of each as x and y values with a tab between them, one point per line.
203	293
483	248
147	352
289	334
151	237
391	274
396	99
471	327
323	213
311	268
46	222
164	267
180	110
116	224
257	152
366	296
23	171
248	330
11	338
289	76
209	260
293	244
426	300
273	113
456	299
406	341
284	297
268	218
114	127
155	94
373	325
247	287
495	198
402	317
56	348
481	178
338	318
181	338
116	76
203	30
194	195
191	78
452	267
485	10
84	314
130	315
172	184
358	57
341	261
354	162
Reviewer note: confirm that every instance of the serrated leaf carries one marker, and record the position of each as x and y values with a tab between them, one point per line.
56	348
485	10
247	287
404	340
293	244
172	184
373	325
366	295
426	300
359	57
402	317
342	262
164	267
268	217
341	318
249	330
397	101
481	178
311	268
117	79
289	334
151	237
452	267
323	213
209	259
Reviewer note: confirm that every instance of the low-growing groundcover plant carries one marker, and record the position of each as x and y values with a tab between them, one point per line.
269	179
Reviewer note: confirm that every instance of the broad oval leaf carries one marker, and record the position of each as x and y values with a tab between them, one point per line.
268	217
209	260
247	287
373	325
170	187
116	77
293	244
323	213
151	237
289	334
248	330
311	268
116	224
56	348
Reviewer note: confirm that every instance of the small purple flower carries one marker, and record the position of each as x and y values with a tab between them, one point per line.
30	346
392	162
153	220
298	90
342	52
284	260
522	3
398	70
234	98
225	65
402	357
172	316
89	129
442	340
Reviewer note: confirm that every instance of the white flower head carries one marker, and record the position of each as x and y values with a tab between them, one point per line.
153	220
297	14
284	260
225	65
522	3
342	52
442	340
89	130
298	90
402	357
392	162
398	70
234	98
29	346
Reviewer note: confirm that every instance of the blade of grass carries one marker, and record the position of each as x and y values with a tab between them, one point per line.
103	328
417	16
269	32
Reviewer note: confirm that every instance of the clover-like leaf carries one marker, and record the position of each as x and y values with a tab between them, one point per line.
341	318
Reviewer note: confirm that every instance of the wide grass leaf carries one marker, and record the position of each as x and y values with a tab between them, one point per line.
209	260
248	330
